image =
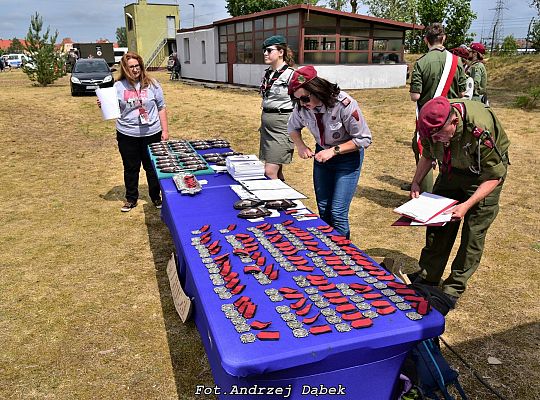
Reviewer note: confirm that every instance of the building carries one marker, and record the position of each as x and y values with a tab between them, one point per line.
356	51
151	29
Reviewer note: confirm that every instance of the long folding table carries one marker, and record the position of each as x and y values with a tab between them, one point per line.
330	323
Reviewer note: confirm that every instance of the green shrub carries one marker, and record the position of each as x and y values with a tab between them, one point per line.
530	100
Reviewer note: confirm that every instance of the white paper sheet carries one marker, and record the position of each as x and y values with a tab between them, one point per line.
278	194
425	207
264	184
110	108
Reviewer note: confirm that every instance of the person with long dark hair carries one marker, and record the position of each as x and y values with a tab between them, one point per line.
143	120
341	133
276	147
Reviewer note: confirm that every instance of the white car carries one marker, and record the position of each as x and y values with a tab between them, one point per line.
16	60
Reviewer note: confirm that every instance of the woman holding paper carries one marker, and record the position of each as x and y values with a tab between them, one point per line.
143	120
341	132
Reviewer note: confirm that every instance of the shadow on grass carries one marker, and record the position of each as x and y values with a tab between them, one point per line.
188	359
117	193
408	264
509	378
392	180
384	198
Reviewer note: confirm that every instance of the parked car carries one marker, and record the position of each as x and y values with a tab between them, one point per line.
16	60
90	73
118	53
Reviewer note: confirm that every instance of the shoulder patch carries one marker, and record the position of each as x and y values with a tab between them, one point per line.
345	101
355	115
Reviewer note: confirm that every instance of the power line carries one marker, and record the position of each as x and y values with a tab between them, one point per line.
497	24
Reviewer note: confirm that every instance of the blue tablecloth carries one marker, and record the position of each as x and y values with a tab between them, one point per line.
365	362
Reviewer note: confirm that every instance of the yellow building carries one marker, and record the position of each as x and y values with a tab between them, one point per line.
151	30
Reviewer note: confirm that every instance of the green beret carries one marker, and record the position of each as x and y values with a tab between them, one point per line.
277	39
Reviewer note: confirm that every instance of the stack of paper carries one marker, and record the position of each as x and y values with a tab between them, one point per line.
245	167
427	209
272	189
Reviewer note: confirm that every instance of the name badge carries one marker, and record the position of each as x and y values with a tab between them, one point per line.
335	126
143	116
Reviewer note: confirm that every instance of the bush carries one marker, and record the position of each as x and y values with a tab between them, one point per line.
529	101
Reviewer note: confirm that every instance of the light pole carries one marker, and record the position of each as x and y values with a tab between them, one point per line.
193	23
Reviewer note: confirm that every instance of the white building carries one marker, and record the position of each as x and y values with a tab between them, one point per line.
356	51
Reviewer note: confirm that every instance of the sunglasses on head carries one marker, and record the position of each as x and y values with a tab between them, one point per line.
269	50
302	99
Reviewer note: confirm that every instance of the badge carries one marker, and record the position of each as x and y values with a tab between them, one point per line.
334	127
247	338
143	116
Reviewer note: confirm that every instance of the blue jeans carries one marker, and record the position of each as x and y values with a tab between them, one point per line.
335	183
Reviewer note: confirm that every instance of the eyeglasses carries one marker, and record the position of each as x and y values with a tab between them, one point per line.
136	66
268	50
302	99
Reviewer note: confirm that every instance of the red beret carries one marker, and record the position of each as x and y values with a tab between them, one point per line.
479	47
433	115
300	77
460	52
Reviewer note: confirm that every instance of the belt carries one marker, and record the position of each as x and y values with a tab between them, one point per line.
277	110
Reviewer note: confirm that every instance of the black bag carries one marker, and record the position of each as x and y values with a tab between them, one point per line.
430	373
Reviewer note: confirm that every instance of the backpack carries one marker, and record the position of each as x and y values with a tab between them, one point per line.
430	373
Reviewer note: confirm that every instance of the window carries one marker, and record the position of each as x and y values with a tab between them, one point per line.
203	51
129	23
186	51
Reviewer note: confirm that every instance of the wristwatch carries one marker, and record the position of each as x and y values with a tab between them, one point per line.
337	150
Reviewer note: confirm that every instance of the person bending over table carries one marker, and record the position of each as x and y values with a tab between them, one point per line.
143	120
276	146
341	132
471	147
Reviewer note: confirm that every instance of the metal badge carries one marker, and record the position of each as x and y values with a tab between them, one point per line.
298	278
271	291
226	307
388	292
342	286
238	320
283	309
331	274
248	338
413	315
362	274
380	285
276	298
221	289
339	252
370	314
370	280
196	232
207	260
343	327
328	312
288	317
311	255
355	267
322	304
294	324
363	306
290	268
231	313
403	306
396	299
300	333
225	295
242	328
348	292
333	319
303	284
218	282
224	231
315	297
311	290
213	270
357	299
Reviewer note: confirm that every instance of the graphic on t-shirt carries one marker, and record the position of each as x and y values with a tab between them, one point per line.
134	98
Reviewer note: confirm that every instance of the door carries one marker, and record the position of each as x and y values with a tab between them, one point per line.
171	27
231	60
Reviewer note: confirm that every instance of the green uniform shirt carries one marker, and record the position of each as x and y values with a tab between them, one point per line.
427	73
464	146
479	73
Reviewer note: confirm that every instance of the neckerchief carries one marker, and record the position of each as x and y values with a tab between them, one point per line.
267	82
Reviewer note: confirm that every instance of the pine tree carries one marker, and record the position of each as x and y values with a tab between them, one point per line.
47	63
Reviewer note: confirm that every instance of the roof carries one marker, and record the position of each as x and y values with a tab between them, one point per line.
5	43
321	10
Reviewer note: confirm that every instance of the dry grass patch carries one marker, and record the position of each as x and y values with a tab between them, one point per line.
84	301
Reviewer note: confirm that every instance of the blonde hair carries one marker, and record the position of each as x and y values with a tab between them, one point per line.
125	72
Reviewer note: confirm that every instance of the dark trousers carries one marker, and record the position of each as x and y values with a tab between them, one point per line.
440	240
134	151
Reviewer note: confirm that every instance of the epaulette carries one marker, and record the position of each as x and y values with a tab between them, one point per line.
345	101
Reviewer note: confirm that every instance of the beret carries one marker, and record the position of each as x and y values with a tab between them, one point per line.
276	39
433	115
300	77
479	47
460	52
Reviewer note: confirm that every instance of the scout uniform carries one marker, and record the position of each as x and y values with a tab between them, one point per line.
425	78
479	73
477	152
276	146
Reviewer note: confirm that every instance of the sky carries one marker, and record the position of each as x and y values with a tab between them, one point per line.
90	20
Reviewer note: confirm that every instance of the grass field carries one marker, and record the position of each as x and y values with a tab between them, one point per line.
85	307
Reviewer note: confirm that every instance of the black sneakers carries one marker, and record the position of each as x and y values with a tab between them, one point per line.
157	203
128	205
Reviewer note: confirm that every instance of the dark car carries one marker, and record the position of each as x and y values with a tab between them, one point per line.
90	73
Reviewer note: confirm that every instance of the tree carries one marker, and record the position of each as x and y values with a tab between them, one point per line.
399	10
15	46
337	4
47	63
536	3
458	22
243	7
509	46
121	36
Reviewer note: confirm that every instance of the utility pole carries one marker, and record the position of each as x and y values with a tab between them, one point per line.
193	19
497	24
